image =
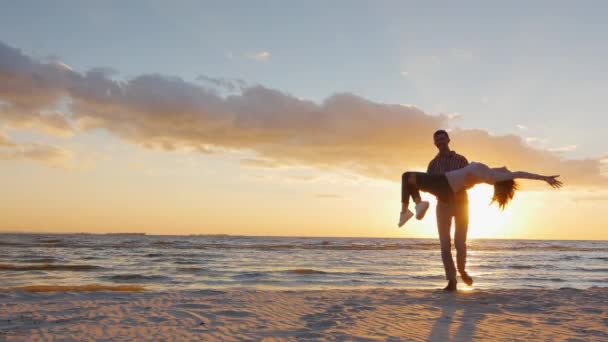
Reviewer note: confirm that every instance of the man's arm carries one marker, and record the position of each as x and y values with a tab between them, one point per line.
463	162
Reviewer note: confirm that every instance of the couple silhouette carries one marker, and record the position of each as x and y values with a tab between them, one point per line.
448	177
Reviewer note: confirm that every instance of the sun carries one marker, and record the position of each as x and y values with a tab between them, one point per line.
485	220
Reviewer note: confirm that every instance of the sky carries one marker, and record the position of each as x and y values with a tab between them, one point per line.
297	118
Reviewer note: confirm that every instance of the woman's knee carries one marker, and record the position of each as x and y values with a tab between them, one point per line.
409	177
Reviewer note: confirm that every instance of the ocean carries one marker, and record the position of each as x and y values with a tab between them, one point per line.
212	261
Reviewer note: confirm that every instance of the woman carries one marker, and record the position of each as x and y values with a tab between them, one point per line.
444	186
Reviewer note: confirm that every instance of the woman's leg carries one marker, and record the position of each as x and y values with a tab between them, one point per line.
409	188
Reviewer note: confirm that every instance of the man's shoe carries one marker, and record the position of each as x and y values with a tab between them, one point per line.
404	217
421	208
467	278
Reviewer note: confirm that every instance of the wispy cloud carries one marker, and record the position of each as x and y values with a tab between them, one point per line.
259	163
591	197
535	140
343	132
49	155
299	178
462	55
224	84
564	149
328	196
52	123
5	141
454	115
261	56
522	127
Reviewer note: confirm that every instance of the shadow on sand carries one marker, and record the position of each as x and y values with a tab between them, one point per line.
459	318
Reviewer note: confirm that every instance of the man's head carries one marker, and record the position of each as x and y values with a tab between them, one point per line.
442	140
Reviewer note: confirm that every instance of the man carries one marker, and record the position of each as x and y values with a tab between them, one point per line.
458	208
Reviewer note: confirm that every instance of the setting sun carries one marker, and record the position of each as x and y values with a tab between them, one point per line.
488	220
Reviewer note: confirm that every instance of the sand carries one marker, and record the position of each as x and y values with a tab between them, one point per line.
270	315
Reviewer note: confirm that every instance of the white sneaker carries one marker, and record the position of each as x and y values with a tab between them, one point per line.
405	216
421	208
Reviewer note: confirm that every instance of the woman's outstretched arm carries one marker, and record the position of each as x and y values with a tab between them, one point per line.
503	174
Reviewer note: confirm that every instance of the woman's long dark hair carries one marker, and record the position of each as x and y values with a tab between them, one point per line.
504	192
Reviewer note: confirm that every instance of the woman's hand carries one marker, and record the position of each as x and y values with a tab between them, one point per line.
553	181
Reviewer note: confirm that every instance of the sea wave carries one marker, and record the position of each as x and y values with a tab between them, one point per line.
134	278
304	271
535	279
189	269
50	240
531	266
586	269
251	275
522	267
48	267
338	245
81	288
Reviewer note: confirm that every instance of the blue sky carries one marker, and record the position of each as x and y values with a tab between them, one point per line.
496	64
537	65
535	70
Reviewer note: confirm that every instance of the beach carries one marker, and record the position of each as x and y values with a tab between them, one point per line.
284	315
71	287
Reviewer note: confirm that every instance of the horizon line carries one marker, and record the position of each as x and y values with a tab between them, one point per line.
278	236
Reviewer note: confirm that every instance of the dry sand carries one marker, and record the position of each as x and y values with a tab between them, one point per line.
344	315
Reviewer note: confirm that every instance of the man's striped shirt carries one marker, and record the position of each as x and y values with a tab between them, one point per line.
444	163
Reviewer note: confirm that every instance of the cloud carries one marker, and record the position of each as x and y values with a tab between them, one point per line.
539	142
564	149
222	83
46	154
328	196
259	163
5	141
404	73
261	56
454	115
29	91
522	127
462	55
52	123
300	178
49	155
591	198
343	132
62	65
